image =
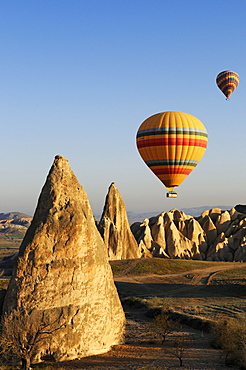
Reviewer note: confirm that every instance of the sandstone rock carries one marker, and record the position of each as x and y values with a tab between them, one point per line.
182	226
237	243
233	214
202	219
180	219
242	223
240	254
145	252
115	229
158	235
220	251
136	230
240	208
233	228
168	218
197	235
63	272
202	246
146	237
223	222
205	213
178	246
142	235
210	230
184	236
150	237
158	231
214	214
194	229
179	215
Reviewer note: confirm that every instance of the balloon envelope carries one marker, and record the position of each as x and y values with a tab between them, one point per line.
172	144
227	82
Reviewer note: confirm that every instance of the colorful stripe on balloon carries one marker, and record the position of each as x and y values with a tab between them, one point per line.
227	82
171	162
172	131
171	144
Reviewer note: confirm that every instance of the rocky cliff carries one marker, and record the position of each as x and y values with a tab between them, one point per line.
62	273
215	235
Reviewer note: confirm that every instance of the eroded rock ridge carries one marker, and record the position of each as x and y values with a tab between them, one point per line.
216	235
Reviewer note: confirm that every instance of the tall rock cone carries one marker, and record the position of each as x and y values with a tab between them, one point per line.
63	273
115	229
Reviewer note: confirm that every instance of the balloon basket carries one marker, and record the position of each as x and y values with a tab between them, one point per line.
172	194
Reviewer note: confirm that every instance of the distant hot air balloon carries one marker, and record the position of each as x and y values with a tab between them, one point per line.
172	144
227	82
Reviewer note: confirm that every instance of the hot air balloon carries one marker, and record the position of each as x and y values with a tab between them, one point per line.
227	82
171	144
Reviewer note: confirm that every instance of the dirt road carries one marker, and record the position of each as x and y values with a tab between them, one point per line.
192	283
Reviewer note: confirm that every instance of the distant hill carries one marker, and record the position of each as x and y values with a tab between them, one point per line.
14	223
13	215
193	211
18	217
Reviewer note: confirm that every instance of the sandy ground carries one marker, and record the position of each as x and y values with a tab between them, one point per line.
142	349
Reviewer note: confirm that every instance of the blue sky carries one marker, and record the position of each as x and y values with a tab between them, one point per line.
78	78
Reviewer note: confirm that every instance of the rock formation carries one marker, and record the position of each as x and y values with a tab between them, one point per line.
63	273
14	226
115	229
216	235
177	244
241	208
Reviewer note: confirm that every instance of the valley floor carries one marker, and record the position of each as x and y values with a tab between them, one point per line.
142	349
143	352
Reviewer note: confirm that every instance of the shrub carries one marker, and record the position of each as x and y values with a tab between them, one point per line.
230	335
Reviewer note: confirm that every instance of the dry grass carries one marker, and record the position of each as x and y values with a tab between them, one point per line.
158	266
9	244
168	284
188	292
230	277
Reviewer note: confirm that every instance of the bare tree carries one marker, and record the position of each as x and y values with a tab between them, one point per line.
164	325
22	331
179	348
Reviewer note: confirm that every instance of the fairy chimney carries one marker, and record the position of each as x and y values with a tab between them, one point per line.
63	272
115	229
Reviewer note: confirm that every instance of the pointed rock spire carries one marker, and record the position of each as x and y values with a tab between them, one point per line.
115	229
63	272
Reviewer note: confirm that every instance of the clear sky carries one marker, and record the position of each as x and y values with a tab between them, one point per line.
78	77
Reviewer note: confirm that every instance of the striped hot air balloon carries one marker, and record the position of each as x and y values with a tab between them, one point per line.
172	144
227	82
